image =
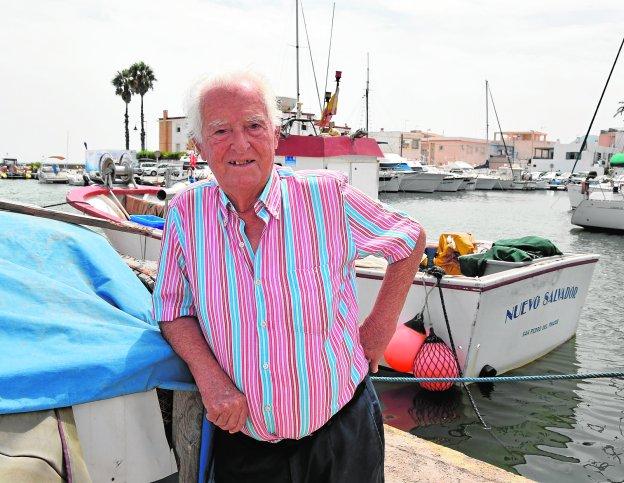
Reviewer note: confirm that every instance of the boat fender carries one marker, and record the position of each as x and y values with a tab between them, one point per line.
405	344
488	371
435	359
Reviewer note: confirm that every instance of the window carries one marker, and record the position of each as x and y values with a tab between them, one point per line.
441	148
415	143
571	155
178	129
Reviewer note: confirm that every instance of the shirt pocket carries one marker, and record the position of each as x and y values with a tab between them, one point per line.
318	297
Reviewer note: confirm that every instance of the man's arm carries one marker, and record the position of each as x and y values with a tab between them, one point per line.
225	405
378	328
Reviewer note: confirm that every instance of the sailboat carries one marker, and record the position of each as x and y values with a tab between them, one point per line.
600	209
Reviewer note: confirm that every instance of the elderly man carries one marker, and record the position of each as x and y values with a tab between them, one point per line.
256	292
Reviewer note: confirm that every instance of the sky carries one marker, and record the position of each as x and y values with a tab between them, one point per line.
546	61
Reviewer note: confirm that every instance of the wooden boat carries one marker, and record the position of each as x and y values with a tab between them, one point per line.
514	314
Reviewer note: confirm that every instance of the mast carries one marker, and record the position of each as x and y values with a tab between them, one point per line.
367	90
297	44
487	123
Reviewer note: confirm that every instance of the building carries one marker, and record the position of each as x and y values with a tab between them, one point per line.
405	144
442	150
612	138
562	157
172	135
523	143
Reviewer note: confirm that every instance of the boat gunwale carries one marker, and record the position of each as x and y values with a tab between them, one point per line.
495	280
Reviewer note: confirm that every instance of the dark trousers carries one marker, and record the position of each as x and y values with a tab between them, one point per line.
349	447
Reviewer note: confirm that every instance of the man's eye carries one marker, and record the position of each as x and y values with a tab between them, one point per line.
220	132
255	125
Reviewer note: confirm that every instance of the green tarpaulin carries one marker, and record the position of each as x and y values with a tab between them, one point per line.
508	250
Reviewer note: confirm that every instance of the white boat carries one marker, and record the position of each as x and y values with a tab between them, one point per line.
505	319
53	174
601	210
450	183
486	182
75	178
576	194
389	181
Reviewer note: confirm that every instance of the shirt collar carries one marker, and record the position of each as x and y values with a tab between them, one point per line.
270	197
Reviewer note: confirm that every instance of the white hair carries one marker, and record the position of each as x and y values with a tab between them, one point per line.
197	92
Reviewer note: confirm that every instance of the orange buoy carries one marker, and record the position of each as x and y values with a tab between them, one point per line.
435	359
405	344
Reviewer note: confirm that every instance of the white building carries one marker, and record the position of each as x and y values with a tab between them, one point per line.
561	157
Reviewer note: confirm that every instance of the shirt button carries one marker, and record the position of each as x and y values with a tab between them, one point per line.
263	323
241	244
258	282
224	222
267	408
265	366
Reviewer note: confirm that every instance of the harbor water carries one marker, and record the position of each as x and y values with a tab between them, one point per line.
548	431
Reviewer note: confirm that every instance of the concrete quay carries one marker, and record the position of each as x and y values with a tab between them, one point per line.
409	459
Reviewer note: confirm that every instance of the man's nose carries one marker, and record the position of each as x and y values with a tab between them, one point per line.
239	140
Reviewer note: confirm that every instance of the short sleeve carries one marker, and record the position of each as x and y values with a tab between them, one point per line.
377	229
172	297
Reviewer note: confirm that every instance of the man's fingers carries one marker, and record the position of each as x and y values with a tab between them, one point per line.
374	366
232	420
222	419
242	417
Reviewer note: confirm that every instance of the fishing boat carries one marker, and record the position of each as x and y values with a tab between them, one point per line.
82	359
600	210
503	320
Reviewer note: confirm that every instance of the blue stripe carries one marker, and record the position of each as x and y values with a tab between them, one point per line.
235	317
263	349
319	220
200	253
355	375
375	229
293	284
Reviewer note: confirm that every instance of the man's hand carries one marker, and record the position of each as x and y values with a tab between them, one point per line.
375	335
225	405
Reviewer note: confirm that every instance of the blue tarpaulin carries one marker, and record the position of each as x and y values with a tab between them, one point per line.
75	323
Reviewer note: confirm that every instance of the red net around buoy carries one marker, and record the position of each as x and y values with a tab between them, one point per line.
435	359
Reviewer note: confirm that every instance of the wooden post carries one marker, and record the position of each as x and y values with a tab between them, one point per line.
187	422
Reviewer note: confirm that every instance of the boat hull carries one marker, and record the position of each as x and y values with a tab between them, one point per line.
420	182
490	319
449	184
486	183
600	214
389	183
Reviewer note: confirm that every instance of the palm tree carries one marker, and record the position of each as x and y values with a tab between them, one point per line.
142	81
620	109
123	88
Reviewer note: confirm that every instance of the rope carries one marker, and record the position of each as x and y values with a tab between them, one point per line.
56	204
540	377
438	273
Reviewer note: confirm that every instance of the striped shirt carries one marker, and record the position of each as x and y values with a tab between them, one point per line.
282	322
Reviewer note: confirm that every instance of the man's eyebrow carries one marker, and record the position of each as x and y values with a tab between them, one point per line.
257	118
216	123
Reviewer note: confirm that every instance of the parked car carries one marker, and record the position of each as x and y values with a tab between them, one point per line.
147	167
162	168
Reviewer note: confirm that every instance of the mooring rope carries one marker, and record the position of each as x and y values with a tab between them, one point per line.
540	377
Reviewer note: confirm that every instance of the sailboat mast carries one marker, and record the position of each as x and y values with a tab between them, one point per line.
367	84
487	122
297	44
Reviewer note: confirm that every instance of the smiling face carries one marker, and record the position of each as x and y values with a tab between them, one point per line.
238	139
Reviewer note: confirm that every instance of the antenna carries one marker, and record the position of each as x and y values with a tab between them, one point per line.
367	90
